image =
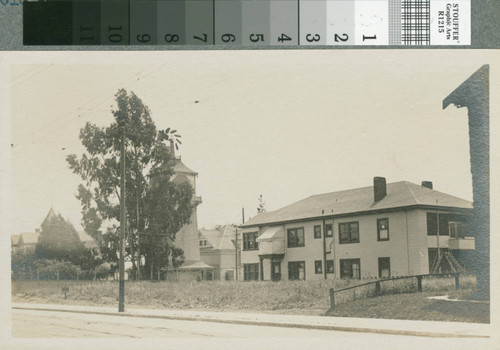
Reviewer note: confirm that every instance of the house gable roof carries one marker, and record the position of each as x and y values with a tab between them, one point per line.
221	238
399	194
16	239
30	237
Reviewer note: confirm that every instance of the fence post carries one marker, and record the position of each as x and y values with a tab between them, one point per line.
419	283
332	299
457	281
377	288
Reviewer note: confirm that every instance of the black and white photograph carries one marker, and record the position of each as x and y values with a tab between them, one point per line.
271	199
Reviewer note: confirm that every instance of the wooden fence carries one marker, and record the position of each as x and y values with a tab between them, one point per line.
377	284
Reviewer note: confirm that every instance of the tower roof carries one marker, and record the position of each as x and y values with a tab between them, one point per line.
180	168
52	214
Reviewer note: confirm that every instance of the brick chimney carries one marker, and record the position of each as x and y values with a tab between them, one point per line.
427	184
379	188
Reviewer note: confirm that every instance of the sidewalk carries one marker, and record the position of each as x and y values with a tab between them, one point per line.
399	327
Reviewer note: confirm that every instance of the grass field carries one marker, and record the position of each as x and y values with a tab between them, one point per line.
291	297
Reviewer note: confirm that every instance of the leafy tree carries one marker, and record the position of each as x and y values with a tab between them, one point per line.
58	240
50	268
22	264
89	259
177	257
261	208
157	208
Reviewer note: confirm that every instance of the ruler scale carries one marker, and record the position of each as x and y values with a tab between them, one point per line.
247	23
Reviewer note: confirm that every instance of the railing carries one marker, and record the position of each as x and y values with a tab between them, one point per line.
378	284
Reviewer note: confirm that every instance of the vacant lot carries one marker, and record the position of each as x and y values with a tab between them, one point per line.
292	297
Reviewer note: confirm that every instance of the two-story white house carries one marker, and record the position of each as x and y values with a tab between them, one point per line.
379	231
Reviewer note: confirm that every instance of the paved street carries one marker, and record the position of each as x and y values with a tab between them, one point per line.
43	324
29	326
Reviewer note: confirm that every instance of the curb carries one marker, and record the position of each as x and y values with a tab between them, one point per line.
374	330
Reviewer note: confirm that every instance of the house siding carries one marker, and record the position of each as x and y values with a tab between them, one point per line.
407	247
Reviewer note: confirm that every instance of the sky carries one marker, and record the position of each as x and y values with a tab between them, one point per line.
284	124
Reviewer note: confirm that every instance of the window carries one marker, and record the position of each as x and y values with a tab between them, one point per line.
203	242
297	270
330	267
437	223
350	268
295	237
329	230
349	232
251	272
431	224
318	267
317	231
458	229
383	229
384	267
250	241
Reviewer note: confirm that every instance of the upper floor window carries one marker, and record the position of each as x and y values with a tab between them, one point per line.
295	237
383	229
250	241
328	230
317	231
437	224
349	232
203	242
458	229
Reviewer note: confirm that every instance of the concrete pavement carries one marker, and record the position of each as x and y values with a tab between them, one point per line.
380	326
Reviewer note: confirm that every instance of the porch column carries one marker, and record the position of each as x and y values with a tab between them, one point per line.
261	260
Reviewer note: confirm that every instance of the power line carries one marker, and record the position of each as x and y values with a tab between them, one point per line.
79	115
31	76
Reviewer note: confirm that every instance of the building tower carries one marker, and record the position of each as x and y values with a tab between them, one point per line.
187	237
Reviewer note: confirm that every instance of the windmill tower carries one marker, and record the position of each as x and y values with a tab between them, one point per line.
187	237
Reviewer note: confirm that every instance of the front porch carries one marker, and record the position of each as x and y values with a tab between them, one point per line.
271	248
274	264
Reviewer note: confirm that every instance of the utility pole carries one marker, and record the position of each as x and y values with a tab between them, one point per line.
123	210
237	246
236	255
324	246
